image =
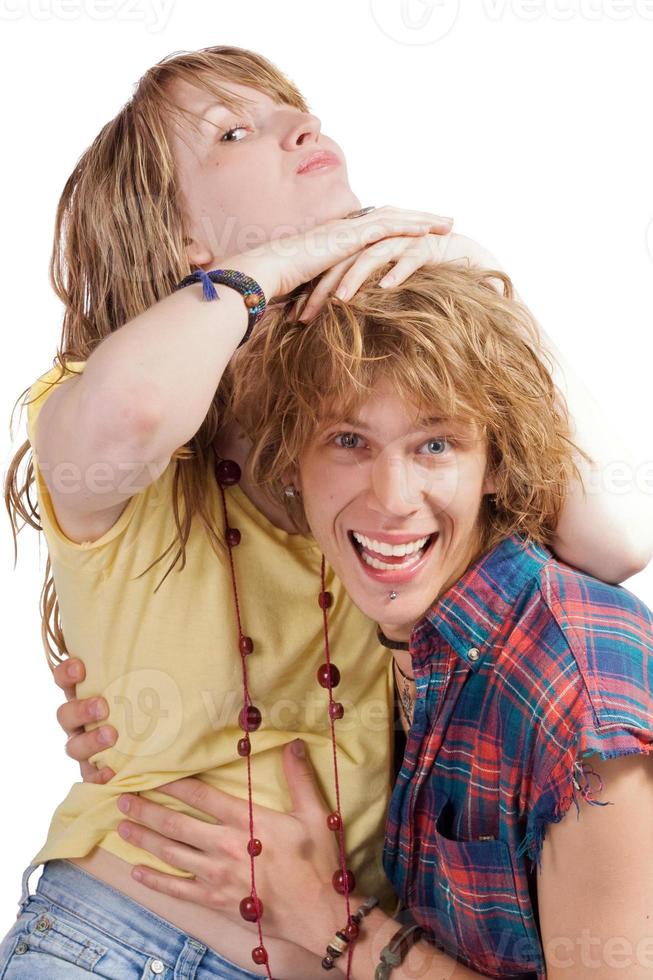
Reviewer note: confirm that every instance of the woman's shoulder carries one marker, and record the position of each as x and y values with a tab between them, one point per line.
45	384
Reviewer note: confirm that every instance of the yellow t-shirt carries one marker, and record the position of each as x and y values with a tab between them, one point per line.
168	664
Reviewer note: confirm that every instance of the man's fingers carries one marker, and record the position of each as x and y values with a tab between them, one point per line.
207	799
304	793
67	674
91	774
186	889
73	715
85	744
169	824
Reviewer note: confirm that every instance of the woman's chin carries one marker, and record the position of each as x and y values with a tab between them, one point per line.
338	204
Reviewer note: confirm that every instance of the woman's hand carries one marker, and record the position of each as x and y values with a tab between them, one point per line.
74	714
408	254
293	872
283	264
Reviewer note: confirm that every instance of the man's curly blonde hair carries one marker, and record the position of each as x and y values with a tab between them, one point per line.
455	343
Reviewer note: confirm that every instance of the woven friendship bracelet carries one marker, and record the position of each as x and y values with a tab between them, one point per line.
397	950
249	289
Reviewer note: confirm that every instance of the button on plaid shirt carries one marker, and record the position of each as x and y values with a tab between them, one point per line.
524	669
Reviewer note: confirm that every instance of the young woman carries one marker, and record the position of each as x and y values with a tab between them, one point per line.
213	155
436	509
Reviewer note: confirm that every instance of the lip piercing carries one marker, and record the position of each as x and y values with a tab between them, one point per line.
392	595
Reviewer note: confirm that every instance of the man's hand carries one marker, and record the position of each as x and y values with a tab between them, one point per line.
300	853
77	712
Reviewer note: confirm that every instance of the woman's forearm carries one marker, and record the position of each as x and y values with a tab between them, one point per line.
168	361
606	524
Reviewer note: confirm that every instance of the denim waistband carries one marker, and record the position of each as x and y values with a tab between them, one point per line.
78	891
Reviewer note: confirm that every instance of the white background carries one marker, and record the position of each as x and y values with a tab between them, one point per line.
527	121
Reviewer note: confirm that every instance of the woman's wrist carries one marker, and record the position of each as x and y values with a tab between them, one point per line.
253	265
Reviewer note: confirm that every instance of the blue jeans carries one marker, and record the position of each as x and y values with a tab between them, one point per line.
74	925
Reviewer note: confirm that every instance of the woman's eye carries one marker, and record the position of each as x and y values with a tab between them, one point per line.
348	440
435	447
227	135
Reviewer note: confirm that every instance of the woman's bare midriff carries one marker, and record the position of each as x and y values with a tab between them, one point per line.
225	937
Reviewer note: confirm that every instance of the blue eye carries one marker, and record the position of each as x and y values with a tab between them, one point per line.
436	447
347	440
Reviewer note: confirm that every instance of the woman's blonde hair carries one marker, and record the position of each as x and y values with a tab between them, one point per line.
119	247
454	342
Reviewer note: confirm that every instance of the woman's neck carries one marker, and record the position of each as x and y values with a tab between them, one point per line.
232	443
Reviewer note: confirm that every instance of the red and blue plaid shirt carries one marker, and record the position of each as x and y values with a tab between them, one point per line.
523	669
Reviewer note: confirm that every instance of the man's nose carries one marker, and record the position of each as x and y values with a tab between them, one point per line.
396	485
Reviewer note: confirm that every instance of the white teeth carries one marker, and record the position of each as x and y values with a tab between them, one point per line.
394	550
383	566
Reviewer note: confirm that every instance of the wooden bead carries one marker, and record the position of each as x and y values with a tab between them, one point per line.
252	300
334	822
325	600
228	472
233	536
251	909
328	675
244	746
246	645
254	847
336	711
250	718
259	955
338	881
351	931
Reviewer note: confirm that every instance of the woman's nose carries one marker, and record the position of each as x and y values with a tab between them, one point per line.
301	131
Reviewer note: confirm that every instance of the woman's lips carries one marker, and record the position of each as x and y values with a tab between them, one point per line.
318	161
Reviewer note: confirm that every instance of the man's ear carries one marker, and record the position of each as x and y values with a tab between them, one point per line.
291	479
490	482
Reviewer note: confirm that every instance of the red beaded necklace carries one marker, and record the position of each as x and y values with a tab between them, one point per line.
228	474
